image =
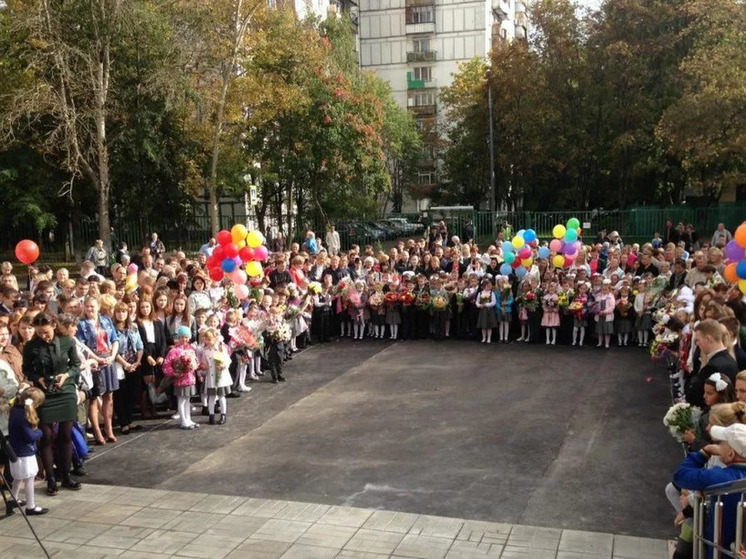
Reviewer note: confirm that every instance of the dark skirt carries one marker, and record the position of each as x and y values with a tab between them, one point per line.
105	380
60	405
486	318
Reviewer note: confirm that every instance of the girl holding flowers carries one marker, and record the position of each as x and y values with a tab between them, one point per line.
439	303
377	313
578	309
393	314
643	311
485	303
214	371
604	310
504	307
624	321
181	366
551	319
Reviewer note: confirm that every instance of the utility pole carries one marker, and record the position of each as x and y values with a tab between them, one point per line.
492	146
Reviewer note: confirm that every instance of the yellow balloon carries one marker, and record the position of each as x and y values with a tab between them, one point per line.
240	244
559	231
254	269
255	239
518	242
527	262
238	233
558	260
742	286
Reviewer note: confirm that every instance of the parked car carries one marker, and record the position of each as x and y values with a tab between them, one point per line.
406	227
371	234
388	230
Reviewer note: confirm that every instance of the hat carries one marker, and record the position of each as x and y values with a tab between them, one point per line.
734	435
183	332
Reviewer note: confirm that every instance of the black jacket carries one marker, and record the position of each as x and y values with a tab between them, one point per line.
721	363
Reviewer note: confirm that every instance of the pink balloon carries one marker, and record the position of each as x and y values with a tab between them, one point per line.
261	253
239	277
132	268
241	291
568	261
525	252
555	245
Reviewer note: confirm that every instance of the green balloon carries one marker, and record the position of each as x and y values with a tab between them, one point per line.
509	257
573	223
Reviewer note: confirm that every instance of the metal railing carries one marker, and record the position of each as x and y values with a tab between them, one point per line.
712	498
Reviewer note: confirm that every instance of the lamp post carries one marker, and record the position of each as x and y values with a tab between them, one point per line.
492	143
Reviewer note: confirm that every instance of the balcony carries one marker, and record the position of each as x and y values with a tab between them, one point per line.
413	83
521	25
426	162
413	3
420	28
423	110
422	56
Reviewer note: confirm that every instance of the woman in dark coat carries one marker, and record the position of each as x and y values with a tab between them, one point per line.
153	335
51	362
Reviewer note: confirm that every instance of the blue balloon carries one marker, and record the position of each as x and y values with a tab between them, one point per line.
571	235
529	235
741	269
521	233
505	269
228	265
507	247
520	272
544	252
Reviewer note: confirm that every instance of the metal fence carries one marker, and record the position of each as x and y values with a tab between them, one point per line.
634	225
710	508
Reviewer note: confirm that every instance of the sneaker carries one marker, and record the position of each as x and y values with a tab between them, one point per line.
244	388
176	416
252	376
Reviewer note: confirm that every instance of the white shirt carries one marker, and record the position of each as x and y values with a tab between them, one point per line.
149	332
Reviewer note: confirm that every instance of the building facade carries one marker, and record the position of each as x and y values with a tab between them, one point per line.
417	45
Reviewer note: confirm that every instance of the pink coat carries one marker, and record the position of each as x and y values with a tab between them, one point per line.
187	377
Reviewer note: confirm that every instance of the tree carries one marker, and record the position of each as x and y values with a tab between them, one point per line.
706	127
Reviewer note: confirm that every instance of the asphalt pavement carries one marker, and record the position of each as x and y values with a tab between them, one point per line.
557	436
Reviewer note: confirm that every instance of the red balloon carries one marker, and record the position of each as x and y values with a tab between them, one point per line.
216	274
515	264
230	251
261	253
217	255
224	237
246	254
27	251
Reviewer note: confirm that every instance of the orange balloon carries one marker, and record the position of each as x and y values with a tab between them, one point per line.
740	236
730	273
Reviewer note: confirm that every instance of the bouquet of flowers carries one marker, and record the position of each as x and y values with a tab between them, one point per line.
220	359
376	300
504	296
406	298
663	345
292	312
549	303
230	294
354	298
439	303
563	302
184	362
680	418
484	298
623	306
529	301
340	290
314	288
390	299
422	301
242	337
459	301
280	332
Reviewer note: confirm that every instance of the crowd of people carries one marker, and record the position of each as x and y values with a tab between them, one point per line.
81	358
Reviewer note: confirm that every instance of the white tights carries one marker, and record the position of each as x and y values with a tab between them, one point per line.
553	332
223	404
575	332
524	332
28	485
394	331
185	410
487	335
643	336
241	377
503	330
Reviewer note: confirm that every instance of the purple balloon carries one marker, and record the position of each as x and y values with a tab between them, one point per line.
733	252
569	248
238	261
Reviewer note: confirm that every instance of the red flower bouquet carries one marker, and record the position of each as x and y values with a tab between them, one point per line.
390	299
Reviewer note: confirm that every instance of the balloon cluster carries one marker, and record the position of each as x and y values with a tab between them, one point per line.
565	245
735	252
238	256
27	251
517	256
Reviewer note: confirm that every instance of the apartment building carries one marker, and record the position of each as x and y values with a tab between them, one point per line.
417	45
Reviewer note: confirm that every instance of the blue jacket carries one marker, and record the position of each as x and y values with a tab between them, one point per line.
508	303
692	474
21	436
87	334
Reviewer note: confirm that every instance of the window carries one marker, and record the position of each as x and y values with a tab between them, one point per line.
423	73
422	98
420	14
425	178
422	45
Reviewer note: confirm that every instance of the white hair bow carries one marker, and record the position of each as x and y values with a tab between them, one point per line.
28	402
720	384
